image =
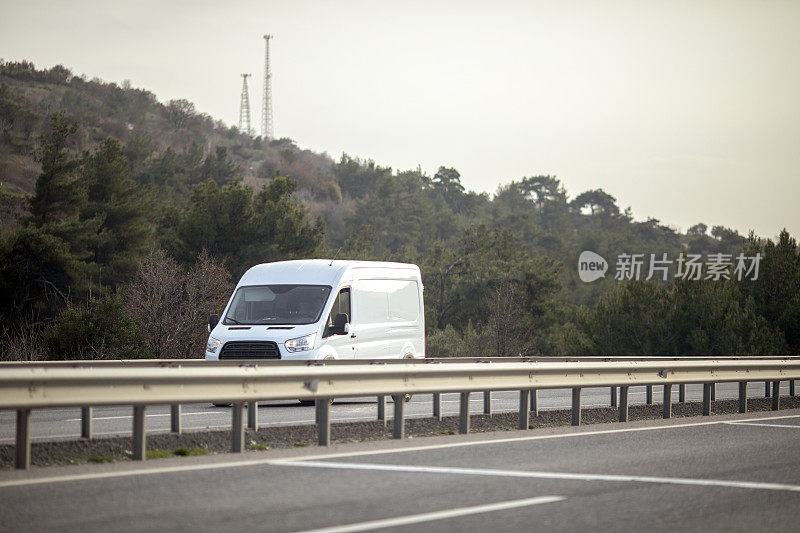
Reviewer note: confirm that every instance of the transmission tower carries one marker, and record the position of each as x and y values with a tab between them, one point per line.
266	102
244	108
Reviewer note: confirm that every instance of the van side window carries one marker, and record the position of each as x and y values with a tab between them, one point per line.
341	306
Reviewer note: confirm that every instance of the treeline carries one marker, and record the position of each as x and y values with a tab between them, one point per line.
97	269
180	204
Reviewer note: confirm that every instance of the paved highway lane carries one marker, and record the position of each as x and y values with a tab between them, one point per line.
57	423
732	472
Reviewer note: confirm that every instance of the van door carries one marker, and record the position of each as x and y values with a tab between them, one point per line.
344	343
371	319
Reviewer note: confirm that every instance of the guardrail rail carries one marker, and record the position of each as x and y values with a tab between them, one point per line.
27	386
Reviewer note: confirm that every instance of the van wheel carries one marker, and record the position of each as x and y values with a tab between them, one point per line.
312	403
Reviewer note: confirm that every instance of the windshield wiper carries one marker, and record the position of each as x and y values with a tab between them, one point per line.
229	319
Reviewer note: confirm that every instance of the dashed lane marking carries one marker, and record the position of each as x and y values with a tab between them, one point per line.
763	425
546	475
436	515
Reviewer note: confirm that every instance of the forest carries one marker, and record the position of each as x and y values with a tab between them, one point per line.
125	222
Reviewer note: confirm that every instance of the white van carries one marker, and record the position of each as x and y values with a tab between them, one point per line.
322	309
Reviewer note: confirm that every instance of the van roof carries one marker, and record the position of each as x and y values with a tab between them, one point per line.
311	271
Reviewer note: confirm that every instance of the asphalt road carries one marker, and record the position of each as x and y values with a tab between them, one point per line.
735	472
61	423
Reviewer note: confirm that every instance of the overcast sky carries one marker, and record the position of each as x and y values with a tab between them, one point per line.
686	111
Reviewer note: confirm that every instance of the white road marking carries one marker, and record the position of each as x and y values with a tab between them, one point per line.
257	462
159	415
755	485
763	425
528	438
436	515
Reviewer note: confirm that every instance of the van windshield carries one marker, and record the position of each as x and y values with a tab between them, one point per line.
277	304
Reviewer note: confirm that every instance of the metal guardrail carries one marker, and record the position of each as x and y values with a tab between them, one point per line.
429	360
34	386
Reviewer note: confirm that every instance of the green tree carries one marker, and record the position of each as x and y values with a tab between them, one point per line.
597	201
281	228
713	318
58	195
95	329
115	214
36	273
636	318
243	228
218	167
683	318
776	291
358	179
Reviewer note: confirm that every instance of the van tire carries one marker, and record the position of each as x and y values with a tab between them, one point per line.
312	403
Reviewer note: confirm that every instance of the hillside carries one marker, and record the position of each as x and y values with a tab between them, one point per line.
100	182
134	116
157	134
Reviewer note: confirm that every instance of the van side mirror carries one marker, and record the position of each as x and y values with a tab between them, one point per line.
340	324
213	320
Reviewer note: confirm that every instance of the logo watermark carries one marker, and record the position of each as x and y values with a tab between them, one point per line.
591	266
716	267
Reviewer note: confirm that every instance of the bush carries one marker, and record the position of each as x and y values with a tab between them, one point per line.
173	305
96	329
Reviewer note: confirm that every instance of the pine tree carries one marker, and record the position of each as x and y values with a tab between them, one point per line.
57	196
114	215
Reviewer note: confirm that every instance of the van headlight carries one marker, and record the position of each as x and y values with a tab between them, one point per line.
301	344
212	344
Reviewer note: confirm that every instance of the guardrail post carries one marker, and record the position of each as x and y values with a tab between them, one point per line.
323	408
776	395
613	396
742	396
706	399
437	406
237	427
682	393
487	403
252	415
175	418
649	395
623	403
399	422
766	389
86	422
535	402
463	417
791	387
382	409
576	406
139	433
524	415
666	407
713	392
23	450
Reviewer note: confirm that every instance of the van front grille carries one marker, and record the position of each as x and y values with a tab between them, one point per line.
250	350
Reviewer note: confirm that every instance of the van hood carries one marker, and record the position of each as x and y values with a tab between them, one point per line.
278	334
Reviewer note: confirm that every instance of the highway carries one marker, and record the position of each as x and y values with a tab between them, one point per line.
732	472
65	422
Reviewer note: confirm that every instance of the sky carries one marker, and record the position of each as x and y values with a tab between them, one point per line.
686	110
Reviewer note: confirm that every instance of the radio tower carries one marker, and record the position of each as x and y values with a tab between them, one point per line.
266	102
244	108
